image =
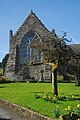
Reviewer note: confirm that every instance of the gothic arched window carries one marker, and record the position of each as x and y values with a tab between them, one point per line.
25	51
24	47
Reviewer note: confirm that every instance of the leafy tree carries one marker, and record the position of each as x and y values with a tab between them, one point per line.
0	65
75	67
4	62
1	71
55	52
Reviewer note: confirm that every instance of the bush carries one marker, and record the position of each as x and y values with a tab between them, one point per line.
57	112
60	78
2	79
1	71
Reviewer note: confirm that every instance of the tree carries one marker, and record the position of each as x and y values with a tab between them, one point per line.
0	65
55	52
77	69
72	69
75	64
4	62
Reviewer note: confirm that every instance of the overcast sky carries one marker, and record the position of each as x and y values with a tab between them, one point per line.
62	15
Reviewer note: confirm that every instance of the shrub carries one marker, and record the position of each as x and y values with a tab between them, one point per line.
78	110
45	97
61	97
69	97
60	78
39	95
57	111
66	98
53	99
2	79
68	110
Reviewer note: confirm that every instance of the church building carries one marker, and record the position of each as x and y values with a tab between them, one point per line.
24	63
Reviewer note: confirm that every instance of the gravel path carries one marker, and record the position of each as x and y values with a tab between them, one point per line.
9	114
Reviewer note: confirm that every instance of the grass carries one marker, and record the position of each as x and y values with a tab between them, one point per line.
24	94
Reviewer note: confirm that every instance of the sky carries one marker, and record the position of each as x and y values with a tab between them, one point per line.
61	15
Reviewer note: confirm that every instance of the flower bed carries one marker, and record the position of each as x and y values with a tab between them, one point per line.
69	111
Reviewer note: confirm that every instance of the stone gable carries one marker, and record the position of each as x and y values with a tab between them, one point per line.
32	23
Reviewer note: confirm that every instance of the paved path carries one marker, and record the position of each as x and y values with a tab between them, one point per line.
10	114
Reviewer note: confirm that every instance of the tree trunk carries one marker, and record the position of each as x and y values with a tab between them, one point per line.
77	75
55	83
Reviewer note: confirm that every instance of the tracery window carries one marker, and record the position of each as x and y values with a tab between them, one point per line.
27	53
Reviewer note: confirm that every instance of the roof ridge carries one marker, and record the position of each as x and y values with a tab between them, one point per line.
31	13
38	19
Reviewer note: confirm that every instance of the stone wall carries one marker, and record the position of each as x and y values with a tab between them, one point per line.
40	72
35	72
24	111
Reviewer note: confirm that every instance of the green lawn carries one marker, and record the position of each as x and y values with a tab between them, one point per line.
24	94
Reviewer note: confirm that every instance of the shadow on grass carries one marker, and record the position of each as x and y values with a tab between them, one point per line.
50	97
2	87
44	92
76	95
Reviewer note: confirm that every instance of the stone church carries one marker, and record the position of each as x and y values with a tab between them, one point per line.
23	62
